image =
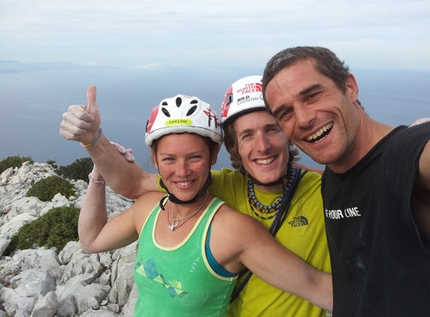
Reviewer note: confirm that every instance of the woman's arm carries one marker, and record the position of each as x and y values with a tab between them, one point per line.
96	233
249	243
124	177
281	268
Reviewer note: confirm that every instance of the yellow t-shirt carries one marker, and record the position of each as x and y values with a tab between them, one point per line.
303	232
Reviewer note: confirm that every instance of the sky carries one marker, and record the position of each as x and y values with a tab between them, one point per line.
213	34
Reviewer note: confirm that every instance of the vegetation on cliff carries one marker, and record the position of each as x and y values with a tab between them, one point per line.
59	225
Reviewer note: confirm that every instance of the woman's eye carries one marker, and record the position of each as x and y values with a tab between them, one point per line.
196	157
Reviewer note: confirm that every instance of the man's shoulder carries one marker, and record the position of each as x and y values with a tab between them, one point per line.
310	179
405	139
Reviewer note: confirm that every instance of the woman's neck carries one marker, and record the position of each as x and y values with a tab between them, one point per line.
183	210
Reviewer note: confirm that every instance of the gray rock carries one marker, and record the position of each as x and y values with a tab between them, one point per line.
16	304
93	303
12	227
46	306
45	283
6	176
32	283
122	275
4	243
66	254
100	313
128	309
82	263
66	307
92	295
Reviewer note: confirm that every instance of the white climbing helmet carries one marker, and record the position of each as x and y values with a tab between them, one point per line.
243	96
181	114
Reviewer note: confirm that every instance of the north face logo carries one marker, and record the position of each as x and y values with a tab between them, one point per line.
299	221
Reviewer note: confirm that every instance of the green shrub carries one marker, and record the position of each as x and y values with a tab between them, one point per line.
47	188
14	161
77	170
54	229
52	163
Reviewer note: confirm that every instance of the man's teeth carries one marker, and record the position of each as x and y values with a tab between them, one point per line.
320	132
266	161
183	184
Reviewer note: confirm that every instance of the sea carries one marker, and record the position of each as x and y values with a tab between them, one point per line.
32	104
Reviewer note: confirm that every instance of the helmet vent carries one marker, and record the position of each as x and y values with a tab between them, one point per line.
228	99
178	102
191	111
166	112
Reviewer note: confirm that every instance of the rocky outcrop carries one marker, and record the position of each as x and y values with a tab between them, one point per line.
45	283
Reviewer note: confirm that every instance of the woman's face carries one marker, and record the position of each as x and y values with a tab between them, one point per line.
184	162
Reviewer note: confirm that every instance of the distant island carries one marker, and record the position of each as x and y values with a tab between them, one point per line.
15	66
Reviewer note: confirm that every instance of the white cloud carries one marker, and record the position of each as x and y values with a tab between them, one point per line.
377	33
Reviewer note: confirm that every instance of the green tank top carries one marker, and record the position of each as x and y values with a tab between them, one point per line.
178	281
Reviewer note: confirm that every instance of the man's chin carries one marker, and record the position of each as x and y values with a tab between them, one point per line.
267	180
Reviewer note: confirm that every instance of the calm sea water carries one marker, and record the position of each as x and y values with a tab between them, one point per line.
31	104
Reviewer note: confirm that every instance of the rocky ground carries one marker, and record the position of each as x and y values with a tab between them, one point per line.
45	283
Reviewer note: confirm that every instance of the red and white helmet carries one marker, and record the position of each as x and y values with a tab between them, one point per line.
181	114
244	96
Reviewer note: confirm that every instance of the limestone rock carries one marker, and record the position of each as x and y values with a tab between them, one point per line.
46	283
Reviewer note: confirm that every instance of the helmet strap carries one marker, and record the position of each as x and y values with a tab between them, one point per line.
175	200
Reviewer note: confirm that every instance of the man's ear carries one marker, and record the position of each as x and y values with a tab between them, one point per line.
352	88
215	154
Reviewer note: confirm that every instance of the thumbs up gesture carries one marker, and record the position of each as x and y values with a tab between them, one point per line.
82	123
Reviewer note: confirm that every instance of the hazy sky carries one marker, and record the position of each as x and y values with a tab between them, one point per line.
132	33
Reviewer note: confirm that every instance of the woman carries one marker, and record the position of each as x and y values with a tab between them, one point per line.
191	245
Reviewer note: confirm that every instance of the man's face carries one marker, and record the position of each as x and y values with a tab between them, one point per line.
314	113
262	145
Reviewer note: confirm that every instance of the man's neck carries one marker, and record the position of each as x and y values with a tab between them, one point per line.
369	134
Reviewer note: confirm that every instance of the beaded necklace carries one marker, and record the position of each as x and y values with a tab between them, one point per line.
294	178
274	207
